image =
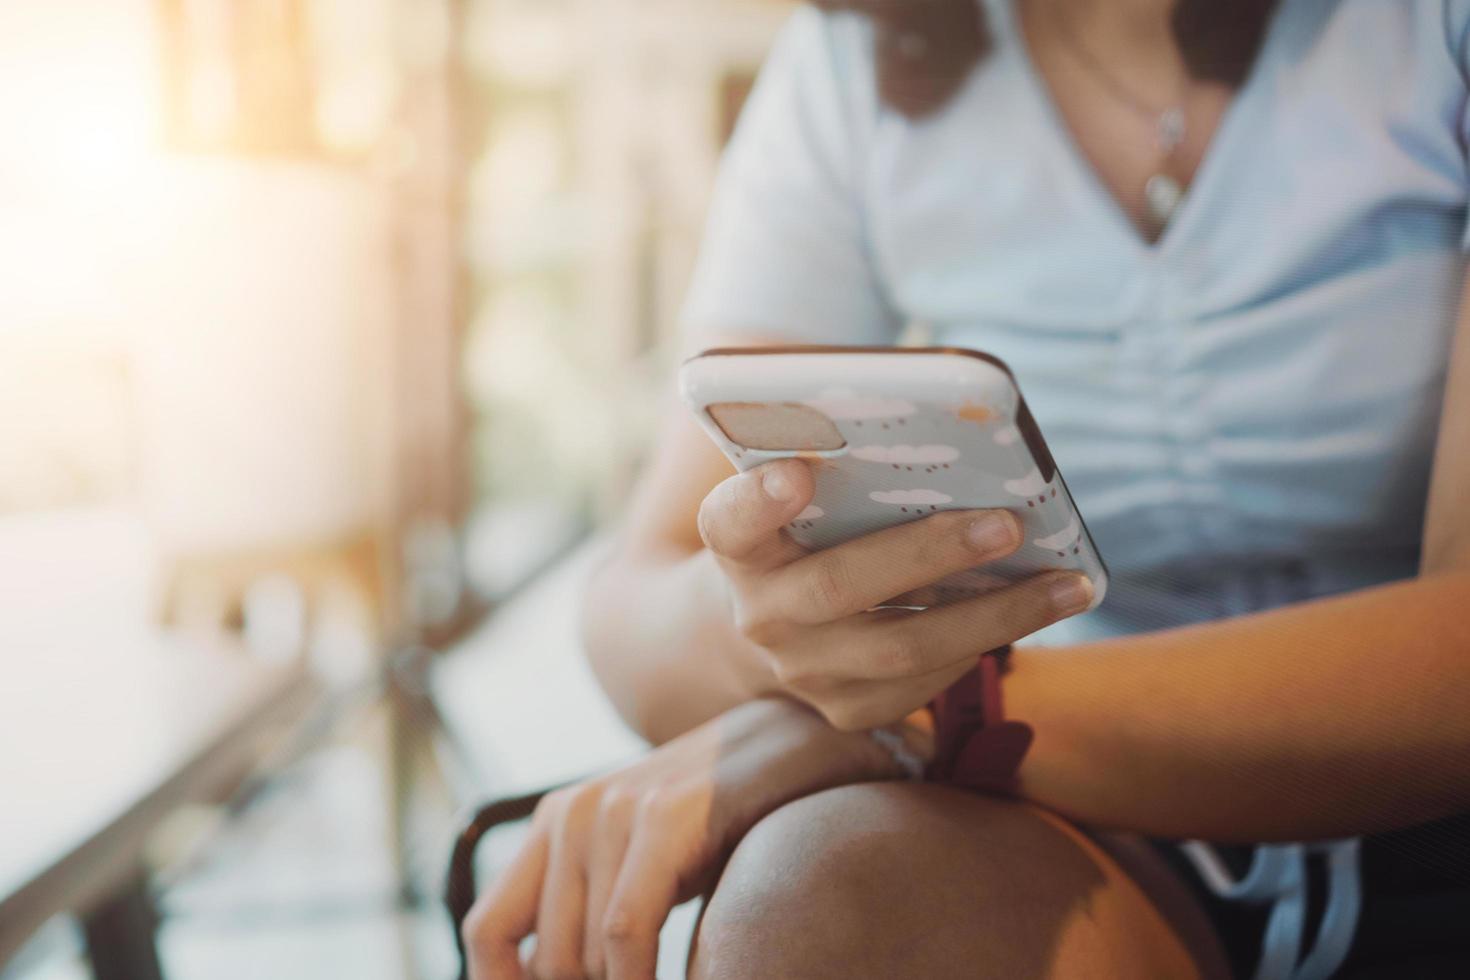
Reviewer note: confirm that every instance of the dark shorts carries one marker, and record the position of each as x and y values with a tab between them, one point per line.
1416	905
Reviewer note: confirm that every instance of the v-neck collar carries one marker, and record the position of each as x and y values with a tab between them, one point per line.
1221	145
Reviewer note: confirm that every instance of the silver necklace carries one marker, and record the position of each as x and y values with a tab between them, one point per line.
1161	192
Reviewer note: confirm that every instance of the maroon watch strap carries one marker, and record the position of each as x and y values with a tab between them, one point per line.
975	747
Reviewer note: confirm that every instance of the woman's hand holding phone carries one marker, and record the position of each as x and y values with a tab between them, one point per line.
810	616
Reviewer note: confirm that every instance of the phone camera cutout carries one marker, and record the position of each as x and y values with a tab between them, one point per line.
776	426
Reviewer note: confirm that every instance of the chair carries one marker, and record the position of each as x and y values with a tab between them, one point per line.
534	619
459	888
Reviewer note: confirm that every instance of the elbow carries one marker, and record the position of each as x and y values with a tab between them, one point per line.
603	633
1458	578
596	626
1444	592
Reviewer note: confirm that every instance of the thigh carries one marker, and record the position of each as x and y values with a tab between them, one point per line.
912	880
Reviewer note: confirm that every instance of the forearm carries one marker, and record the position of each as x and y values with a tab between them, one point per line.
1330	718
660	639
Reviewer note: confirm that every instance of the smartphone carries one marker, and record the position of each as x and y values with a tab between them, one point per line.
895	434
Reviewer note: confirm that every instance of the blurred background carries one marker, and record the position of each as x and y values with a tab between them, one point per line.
331	335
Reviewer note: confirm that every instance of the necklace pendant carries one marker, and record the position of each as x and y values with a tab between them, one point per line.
1171	128
1162	195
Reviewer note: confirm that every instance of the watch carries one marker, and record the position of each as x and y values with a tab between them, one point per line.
975	746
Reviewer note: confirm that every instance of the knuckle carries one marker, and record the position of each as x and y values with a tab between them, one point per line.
800	677
656	804
828	585
1009	614
469	932
936	562
547	812
898	654
787	675
475	925
553	807
616	802
771	662
566	813
756	624
842	716
935	551
578	811
618	927
833	714
942	537
1020	610
554	801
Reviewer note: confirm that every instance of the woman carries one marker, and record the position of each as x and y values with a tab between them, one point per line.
1222	253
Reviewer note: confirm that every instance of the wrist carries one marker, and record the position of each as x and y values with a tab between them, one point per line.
909	743
900	751
709	593
832	756
979	744
1026	681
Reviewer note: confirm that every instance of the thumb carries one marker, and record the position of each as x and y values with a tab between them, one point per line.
741	520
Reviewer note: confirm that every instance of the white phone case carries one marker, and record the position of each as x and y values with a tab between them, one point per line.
926	429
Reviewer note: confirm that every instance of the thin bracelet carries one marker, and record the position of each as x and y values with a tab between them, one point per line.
907	759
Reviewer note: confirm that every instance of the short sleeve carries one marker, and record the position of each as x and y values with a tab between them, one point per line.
1456	14
785	250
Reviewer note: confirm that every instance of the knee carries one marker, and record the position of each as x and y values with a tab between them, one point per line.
865	880
793	896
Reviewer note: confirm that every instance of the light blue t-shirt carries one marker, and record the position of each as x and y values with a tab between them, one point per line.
1246	410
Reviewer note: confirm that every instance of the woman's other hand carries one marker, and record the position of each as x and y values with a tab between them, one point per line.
811	616
607	859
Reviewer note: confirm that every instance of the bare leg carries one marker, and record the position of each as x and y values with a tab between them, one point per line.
907	880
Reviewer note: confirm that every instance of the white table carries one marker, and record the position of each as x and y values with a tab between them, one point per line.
99	741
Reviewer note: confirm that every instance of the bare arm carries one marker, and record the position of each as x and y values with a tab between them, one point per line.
656	629
1325	719
1333	717
709	603
1329	718
1447	527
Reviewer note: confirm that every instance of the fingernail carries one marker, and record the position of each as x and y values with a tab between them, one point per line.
993	532
777	486
1071	593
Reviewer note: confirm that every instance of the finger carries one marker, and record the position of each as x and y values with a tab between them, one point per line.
505	914
603	862
915	599
850	578
742	519
559	918
929	640
892	644
861	705
645	892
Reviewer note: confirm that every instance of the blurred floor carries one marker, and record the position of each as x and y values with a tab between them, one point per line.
303	886
300	885
520	695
